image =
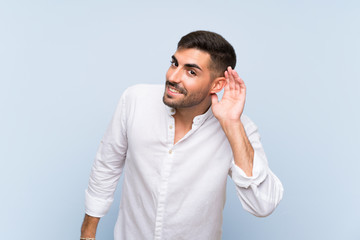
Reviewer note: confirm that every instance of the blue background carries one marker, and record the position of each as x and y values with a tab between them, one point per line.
64	65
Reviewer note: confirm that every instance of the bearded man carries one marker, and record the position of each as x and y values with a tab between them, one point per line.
177	147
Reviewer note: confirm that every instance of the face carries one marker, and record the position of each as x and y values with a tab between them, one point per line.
188	80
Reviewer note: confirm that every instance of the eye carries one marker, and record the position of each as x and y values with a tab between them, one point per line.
192	72
173	63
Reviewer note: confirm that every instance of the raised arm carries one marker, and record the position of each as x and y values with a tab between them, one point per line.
259	190
228	111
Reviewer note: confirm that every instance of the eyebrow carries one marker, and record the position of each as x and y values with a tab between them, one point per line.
189	65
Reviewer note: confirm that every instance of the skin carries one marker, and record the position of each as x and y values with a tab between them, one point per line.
228	112
89	226
195	82
193	93
198	93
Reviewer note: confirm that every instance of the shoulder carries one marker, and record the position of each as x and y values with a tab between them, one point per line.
143	95
143	91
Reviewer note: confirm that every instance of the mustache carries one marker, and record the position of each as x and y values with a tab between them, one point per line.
177	87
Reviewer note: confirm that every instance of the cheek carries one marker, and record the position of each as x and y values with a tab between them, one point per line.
168	74
198	84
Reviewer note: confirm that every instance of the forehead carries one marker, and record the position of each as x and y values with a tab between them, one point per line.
193	56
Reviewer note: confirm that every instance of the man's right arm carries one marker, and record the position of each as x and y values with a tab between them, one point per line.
106	171
89	226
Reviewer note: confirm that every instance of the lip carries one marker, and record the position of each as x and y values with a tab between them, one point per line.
172	93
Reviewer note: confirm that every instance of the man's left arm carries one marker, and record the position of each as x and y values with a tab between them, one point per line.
258	188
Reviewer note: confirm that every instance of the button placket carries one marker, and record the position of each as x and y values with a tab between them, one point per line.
162	195
165	174
171	131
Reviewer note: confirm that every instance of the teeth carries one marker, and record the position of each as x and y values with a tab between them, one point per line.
173	90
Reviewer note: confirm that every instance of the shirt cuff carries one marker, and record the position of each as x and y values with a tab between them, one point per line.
260	171
96	207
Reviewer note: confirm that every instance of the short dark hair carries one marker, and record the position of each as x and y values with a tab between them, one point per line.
221	52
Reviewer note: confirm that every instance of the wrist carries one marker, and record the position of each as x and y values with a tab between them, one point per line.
231	126
89	226
88	232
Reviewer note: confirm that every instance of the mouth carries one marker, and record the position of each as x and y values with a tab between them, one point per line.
172	90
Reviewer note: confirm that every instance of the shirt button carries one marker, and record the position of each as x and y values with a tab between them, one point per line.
171	127
170	151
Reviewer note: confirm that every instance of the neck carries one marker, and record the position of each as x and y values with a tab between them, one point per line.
185	116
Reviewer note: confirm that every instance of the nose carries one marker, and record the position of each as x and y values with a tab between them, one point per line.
174	75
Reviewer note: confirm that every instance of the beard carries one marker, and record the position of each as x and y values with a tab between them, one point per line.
186	99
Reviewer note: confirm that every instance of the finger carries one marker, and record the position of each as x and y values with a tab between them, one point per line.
231	79
236	80
240	82
237	77
227	88
242	85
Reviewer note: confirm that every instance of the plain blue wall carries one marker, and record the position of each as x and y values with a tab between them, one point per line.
64	65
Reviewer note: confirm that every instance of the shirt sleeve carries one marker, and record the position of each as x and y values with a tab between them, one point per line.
262	192
108	164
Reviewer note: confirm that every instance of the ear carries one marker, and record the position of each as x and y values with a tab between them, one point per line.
218	84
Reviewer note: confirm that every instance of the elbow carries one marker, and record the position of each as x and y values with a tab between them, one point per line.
264	211
262	207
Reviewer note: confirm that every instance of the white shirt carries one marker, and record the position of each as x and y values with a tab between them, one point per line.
173	191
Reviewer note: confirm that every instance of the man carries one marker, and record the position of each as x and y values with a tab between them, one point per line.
176	149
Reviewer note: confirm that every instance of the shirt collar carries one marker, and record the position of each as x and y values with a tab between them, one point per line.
171	111
198	120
